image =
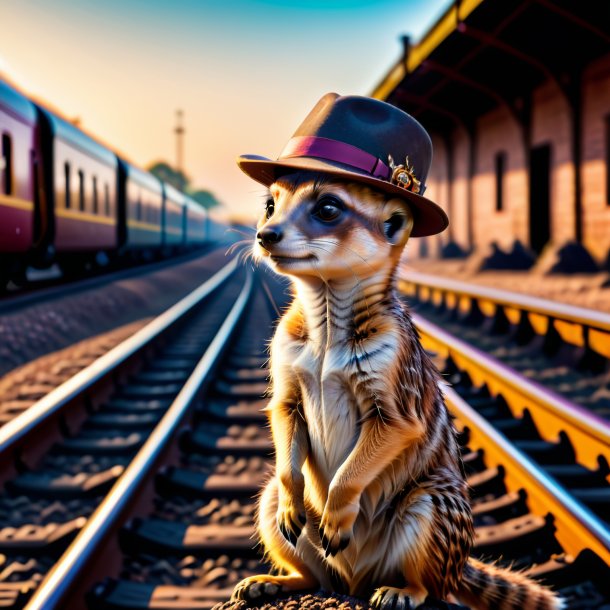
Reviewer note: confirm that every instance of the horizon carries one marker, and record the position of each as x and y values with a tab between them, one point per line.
244	76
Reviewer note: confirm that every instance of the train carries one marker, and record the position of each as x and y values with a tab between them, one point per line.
65	198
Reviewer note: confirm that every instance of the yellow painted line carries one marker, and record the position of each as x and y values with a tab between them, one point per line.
136	224
16	202
385	88
443	28
577	528
84	217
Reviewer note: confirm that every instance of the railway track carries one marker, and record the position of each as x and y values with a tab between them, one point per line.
527	370
59	459
174	528
561	347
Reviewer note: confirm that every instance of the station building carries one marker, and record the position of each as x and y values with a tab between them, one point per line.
516	97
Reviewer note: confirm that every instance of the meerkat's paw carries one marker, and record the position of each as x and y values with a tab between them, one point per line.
257	590
260	589
392	598
336	528
291	522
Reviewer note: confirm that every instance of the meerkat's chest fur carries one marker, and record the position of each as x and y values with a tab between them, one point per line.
328	366
329	404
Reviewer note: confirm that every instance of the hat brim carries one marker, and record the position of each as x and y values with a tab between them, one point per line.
429	218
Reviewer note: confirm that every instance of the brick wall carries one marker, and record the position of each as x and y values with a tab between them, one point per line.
551	125
495	132
596	208
459	207
498	131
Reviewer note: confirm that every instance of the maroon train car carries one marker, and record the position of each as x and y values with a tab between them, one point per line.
84	188
174	233
18	154
196	218
140	210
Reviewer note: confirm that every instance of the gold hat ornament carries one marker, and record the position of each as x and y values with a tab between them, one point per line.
404	176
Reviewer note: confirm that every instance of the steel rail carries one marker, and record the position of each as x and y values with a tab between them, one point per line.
64	574
14	433
551	412
576	325
577	527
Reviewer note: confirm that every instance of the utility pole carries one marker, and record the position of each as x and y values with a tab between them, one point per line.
179	131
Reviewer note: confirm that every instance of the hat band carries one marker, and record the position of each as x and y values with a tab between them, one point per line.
334	150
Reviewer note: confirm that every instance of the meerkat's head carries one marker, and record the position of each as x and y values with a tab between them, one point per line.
318	225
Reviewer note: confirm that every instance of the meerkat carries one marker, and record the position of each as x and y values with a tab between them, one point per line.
369	494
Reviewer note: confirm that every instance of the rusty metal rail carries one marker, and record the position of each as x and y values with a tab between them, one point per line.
63	579
577	527
548	445
551	413
15	436
577	326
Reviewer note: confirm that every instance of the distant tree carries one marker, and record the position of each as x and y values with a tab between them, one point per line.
204	198
165	172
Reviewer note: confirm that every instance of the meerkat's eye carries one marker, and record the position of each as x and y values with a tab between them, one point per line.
269	208
328	209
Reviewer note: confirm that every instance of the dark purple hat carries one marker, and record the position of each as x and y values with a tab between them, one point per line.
362	140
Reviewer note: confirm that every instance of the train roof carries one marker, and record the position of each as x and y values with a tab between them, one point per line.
72	134
143	178
16	102
173	193
193	205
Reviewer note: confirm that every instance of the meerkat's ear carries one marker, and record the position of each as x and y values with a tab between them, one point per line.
397	222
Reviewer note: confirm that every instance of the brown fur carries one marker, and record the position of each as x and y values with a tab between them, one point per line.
369	491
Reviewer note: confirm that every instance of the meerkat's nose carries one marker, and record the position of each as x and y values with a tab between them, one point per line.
269	236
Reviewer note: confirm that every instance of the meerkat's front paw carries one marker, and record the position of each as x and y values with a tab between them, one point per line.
257	590
290	508
336	527
291	521
392	598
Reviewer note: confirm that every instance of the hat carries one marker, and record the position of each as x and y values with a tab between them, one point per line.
362	140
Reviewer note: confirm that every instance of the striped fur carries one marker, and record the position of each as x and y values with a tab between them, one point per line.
369	494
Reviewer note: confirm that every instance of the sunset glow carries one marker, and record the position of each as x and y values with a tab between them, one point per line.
245	74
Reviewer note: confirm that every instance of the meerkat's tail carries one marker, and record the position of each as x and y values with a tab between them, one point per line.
486	586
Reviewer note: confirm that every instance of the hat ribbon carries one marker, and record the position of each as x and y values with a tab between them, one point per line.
335	150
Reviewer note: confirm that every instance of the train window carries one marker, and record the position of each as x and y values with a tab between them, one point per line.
106	199
139	207
500	169
6	164
67	183
95	202
81	190
607	137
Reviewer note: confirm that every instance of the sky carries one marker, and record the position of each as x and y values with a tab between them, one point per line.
244	72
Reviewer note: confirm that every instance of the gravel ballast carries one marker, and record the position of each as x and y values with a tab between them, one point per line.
48	326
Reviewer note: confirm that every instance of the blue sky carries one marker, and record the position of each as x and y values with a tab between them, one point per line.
245	72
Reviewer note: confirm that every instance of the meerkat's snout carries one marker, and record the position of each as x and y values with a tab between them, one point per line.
269	236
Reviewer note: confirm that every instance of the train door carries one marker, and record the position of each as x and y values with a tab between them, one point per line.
540	197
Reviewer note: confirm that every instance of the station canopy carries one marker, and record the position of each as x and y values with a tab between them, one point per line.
482	54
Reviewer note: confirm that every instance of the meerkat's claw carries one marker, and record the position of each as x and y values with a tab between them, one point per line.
291	525
392	598
333	545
